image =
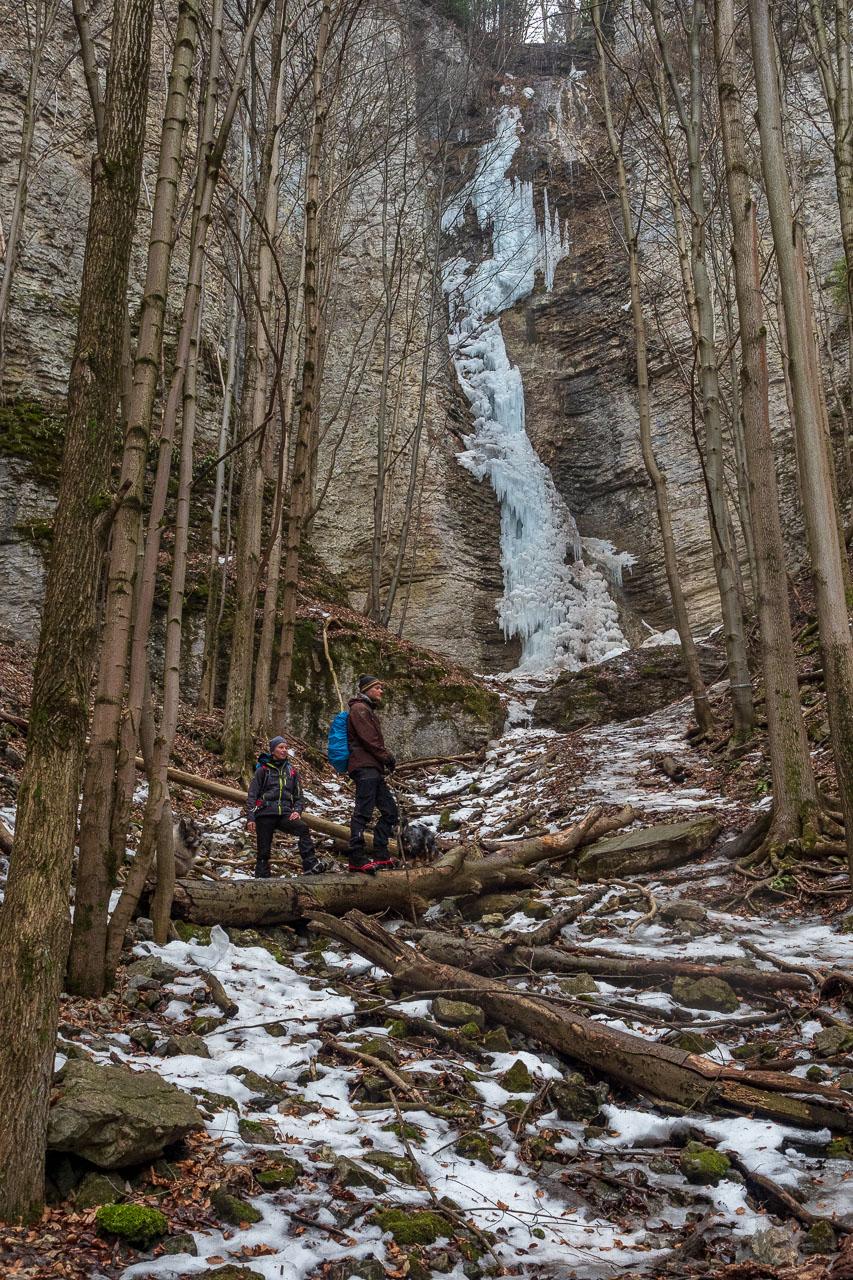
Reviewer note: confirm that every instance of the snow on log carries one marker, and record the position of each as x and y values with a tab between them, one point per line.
462	871
659	1072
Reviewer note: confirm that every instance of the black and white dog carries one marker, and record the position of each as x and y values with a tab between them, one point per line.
418	841
189	844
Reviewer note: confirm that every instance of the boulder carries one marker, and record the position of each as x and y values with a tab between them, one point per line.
634	683
682	909
703	1165
774	1247
398	1166
834	1040
705	993
648	849
114	1117
573	1099
455	1013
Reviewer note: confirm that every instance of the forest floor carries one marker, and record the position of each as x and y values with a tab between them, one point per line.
541	1183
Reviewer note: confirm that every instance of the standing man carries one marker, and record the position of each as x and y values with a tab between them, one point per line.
369	762
275	803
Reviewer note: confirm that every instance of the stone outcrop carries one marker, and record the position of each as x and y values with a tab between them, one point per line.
634	683
648	848
116	1117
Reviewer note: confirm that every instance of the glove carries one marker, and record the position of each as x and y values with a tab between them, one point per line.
391	763
293	814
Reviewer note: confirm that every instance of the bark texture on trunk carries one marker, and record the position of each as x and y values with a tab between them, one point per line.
98	864
35	923
812	458
794	790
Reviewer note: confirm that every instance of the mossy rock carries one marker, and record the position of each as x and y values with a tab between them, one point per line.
504	904
216	1101
648	849
379	1048
143	1037
97	1189
204	1026
705	993
840	1149
232	1209
517	1079
181	1243
135	1223
276	1179
255	1131
470	1031
232	1272
473	1146
187	932
845	1081
446	821
513	1108
820	1238
834	1040
497	1041
257	1084
401	1168
703	1165
690	1042
581	985
397	1028
456	1013
193	1046
353	1174
847	924
409	1228
573	1099
536	909
417	1269
409	1131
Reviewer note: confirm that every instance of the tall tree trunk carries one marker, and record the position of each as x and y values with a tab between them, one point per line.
701	705
34	922
818	504
254	421
97	867
690	118
300	470
795	807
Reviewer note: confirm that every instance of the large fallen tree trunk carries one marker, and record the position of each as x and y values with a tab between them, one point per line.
461	872
659	1072
491	956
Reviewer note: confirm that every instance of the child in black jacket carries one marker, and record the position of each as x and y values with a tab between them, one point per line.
275	803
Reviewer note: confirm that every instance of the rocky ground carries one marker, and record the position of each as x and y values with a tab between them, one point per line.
329	1126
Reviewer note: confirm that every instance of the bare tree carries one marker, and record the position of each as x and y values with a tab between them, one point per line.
34	922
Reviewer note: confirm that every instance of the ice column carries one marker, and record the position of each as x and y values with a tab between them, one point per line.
562	612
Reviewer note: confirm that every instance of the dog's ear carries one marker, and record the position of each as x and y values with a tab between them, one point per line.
182	828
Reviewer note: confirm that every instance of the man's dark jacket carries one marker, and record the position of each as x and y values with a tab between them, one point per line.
274	790
367	748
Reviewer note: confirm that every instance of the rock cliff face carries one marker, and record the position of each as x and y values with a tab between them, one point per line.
573	346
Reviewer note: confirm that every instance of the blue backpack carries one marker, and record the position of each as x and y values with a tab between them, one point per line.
338	751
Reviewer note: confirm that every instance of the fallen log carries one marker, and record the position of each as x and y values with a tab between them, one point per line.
234	796
462	872
685	1080
491	956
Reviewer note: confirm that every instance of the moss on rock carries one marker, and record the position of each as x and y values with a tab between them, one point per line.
517	1080
473	1146
232	1209
703	1165
408	1228
135	1223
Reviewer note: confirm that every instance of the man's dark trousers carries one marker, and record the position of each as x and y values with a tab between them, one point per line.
265	829
371	792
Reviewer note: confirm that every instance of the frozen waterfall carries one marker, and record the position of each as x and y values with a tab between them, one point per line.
562	612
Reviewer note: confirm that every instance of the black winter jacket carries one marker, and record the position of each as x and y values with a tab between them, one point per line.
274	790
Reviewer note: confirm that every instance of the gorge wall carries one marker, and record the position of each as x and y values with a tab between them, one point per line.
572	344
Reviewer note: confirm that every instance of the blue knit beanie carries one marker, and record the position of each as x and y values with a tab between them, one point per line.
276	742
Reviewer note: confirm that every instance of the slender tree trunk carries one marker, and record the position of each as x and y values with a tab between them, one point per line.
307	407
34	922
215	572
263	669
255	415
97	867
690	117
701	705
795	807
818	504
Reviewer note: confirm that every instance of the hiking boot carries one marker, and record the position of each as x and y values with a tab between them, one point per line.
262	871
384	863
360	861
315	867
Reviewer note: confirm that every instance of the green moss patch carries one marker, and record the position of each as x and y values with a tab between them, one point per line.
412	1228
33	432
132	1222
